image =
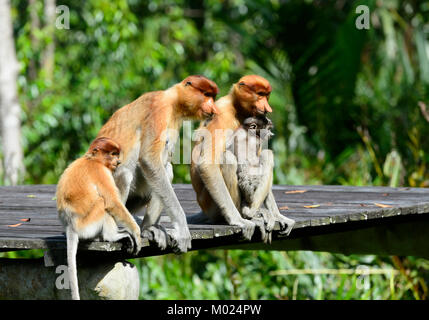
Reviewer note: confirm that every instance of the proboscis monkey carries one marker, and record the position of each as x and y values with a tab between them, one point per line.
147	130
214	171
89	204
254	172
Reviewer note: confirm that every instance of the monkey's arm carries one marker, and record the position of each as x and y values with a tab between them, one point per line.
157	177
150	224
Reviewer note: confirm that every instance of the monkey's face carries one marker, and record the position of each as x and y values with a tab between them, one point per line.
198	95
106	151
253	93
259	126
111	159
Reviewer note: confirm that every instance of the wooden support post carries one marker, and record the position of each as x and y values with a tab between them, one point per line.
103	280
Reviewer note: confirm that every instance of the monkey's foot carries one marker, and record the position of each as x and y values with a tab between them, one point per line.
180	241
247	226
269	219
286	224
157	234
129	243
260	224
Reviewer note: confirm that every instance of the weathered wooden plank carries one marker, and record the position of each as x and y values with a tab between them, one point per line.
339	205
339	188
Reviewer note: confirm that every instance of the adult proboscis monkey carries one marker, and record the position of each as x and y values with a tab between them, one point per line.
147	130
214	173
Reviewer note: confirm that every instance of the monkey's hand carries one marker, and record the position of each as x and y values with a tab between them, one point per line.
248	213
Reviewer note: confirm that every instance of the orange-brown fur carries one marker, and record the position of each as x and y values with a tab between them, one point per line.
88	202
241	102
138	128
248	97
87	184
155	111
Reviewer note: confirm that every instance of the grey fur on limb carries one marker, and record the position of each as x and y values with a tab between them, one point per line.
29	279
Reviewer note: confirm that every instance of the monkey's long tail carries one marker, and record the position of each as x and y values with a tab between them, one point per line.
72	244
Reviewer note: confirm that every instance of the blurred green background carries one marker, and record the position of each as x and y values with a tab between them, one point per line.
349	108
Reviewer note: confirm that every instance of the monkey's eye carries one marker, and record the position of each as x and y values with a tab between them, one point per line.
188	83
115	153
261	93
208	94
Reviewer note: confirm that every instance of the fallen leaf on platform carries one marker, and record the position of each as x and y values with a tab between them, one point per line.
295	191
284	208
383	205
14	225
25	220
312	206
54	198
31	196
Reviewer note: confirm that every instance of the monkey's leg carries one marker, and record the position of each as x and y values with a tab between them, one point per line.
286	224
157	177
111	231
123	179
123	218
150	224
260	219
264	175
229	181
229	173
259	182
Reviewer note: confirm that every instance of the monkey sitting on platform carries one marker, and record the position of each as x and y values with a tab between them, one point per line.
89	204
254	172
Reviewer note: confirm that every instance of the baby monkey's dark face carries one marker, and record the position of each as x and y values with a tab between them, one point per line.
260	126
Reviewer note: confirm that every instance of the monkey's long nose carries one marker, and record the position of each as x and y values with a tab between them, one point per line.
215	110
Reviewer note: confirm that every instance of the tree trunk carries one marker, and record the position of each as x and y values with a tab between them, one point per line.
48	58
35	25
10	110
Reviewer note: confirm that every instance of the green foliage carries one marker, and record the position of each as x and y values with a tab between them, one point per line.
346	111
242	274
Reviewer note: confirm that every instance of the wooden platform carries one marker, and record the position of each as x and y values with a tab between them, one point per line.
328	218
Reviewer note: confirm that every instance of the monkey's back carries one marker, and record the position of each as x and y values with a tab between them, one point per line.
77	188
